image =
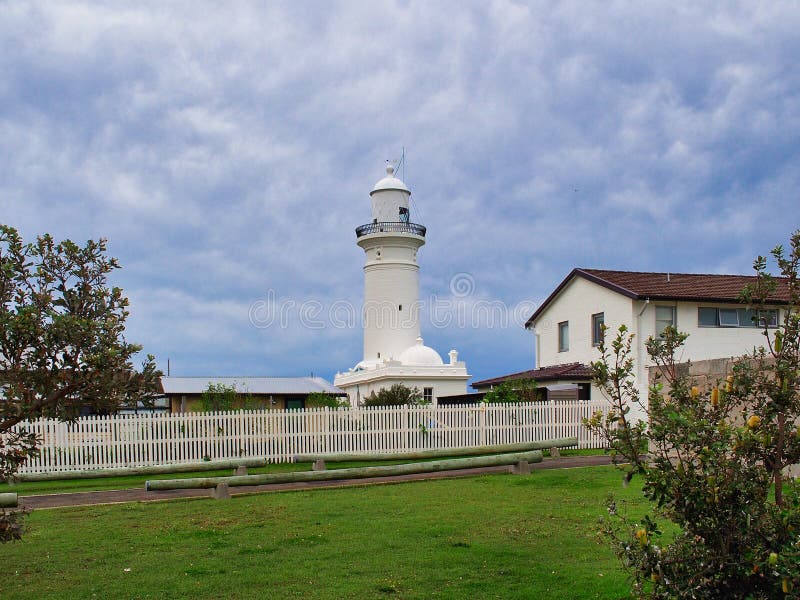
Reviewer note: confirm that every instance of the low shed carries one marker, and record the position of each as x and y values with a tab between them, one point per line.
185	393
570	381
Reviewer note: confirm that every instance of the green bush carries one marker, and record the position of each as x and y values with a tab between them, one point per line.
518	390
717	461
397	395
218	397
320	399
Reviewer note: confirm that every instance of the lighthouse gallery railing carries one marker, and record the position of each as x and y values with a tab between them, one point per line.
391	227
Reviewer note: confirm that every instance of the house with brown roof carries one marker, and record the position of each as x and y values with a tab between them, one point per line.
564	381
567	325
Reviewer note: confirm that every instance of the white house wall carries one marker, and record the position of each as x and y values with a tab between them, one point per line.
704	342
576	303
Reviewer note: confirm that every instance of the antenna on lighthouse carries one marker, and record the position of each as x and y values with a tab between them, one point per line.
402	162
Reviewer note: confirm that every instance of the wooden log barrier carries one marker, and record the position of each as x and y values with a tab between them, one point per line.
439	453
454	464
206	465
9	500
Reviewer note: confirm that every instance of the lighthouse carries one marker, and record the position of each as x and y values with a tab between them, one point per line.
394	351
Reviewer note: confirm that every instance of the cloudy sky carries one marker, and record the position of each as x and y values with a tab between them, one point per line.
227	150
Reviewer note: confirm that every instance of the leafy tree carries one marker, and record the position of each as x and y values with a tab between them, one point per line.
218	397
321	399
251	402
397	395
717	464
62	345
518	390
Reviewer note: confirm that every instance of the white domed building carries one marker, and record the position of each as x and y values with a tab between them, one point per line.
394	351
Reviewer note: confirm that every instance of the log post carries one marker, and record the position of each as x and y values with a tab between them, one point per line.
219	465
9	500
566	442
454	464
522	467
221	492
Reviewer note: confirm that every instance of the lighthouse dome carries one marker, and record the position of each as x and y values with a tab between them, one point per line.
390	182
420	355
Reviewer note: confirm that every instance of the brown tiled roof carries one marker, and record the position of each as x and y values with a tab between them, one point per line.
667	286
553	372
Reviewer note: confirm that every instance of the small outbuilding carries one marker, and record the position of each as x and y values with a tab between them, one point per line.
570	381
185	393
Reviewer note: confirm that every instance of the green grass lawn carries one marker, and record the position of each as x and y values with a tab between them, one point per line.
496	536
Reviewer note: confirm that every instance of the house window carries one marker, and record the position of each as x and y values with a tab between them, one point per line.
563	336
665	317
765	318
294	404
427	394
597	329
708	316
728	317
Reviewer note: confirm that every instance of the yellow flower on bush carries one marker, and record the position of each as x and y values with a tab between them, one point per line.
641	535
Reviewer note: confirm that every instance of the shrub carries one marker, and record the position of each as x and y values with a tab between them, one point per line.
320	399
518	390
397	395
218	397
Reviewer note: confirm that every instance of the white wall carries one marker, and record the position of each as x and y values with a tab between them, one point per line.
441	387
446	380
391	281
705	342
386	205
576	303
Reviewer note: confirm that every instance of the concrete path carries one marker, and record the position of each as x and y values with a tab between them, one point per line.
141	495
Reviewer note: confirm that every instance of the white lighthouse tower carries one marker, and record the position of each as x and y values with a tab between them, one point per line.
393	347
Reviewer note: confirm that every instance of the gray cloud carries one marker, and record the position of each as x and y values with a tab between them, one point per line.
227	150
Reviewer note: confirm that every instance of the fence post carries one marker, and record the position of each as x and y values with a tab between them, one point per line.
482	423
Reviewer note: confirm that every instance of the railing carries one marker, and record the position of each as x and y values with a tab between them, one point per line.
105	442
391	227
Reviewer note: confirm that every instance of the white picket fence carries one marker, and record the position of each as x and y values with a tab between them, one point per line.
101	442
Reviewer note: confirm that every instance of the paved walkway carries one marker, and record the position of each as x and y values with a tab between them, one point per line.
141	495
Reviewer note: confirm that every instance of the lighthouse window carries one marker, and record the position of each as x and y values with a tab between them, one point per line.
400	307
403	214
